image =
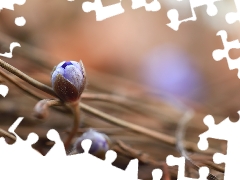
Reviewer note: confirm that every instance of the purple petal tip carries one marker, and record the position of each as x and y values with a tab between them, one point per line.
66	64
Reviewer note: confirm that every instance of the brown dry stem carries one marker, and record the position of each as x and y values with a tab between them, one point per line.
7	134
26	78
76	112
151	133
30	92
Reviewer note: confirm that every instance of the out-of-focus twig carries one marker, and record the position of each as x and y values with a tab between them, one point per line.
151	133
134	153
36	55
107	131
7	134
21	86
214	166
180	133
135	105
26	78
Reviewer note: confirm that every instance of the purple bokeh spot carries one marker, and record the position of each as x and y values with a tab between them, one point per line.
170	69
66	64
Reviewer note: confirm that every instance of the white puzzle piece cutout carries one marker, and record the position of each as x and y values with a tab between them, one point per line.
173	14
103	12
153	6
180	162
116	9
95	168
17	159
9	4
58	149
12	46
3	90
21	161
24	147
157	174
232	17
219	54
20	21
229	131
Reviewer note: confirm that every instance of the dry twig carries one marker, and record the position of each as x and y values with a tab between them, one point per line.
7	134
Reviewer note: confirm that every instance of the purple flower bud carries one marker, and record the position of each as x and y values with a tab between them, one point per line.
100	143
68	80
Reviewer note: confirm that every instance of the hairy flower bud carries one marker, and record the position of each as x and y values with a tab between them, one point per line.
68	80
100	143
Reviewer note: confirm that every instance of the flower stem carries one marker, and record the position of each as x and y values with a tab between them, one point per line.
26	78
76	112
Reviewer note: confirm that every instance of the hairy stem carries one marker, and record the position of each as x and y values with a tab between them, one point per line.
76	112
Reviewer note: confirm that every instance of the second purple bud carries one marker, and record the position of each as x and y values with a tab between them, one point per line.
100	143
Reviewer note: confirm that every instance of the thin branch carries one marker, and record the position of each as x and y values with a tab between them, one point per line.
21	86
154	134
7	134
27	78
33	94
136	106
107	131
28	51
214	166
134	153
